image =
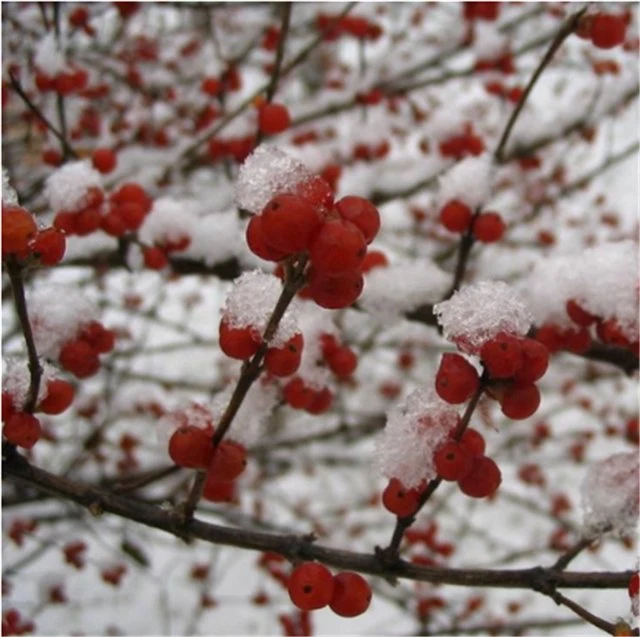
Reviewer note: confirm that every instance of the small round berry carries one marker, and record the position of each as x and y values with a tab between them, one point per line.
131	192
18	228
215	490
456	379
228	461
335	292
297	394
321	402
154	258
87	221
310	586
132	214
257	243
190	447
374	259
342	362
399	500
59	397
452	461
488	227
502	355
79	358
273	118
456	216
238	342
104	160
316	191
211	86
351	594
22	429
49	245
285	360
101	339
483	480
338	248
289	223
473	441
535	360
520	401
362	213
607	31
579	315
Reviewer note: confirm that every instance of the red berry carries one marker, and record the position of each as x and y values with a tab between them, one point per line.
329	345
321	402
607	31
351	594
49	246
634	585
362	213
113	224
79	358
52	157
257	243
132	214
228	462
210	86
104	160
18	228
483	480
535	358
215	490
87	221
238	342
453	461
335	292
316	191
456	216
59	397
131	192
190	446
502	355
342	362
101	339
297	394
488	227
520	401
154	258
273	118
338	248
473	441
579	315
456	379
399	500
65	222
374	259
310	586
79	17
289	223
285	360
22	429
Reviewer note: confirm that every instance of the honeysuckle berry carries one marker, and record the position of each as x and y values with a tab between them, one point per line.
49	246
351	594
535	360
473	441
607	31
104	160
321	401
342	362
579	315
297	393
154	258
256	241
310	586
79	358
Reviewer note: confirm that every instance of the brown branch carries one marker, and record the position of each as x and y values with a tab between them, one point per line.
292	546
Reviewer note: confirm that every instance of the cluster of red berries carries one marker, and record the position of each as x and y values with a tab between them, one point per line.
14	624
64	82
462	144
80	355
311	586
340	359
235	148
371	152
22	238
587	328
606	31
191	446
463	461
513	94
301	395
487	227
273	118
24	429
74	554
502	64
19	528
334	26
79	19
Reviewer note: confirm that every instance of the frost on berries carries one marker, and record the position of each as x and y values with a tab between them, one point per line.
250	304
67	187
610	492
399	288
415	429
16	380
469	181
602	279
477	312
9	195
268	171
169	222
57	313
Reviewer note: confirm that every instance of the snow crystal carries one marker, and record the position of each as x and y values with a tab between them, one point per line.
402	287
251	302
265	173
16	379
610	495
56	314
468	181
169	220
478	312
217	237
9	195
48	57
602	279
67	186
414	431
255	410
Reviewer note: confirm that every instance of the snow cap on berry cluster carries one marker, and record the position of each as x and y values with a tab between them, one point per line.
9	195
192	415
602	279
468	181
610	495
256	408
415	430
67	187
16	380
401	287
251	301
48	57
477	312
267	172
57	313
168	220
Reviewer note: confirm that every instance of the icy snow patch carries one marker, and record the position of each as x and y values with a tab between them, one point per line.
16	380
9	195
468	181
48	57
169	220
67	186
217	238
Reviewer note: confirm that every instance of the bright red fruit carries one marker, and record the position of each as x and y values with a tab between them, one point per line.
520	401
607	31
351	594
362	213
342	362
238	342
579	315
321	401
310	586
101	339
535	361
335	292
79	358
297	394
273	118
456	216
374	259
257	243
456	379
49	246
22	429
285	360
453	461
502	355
489	227
338	248
289	223
131	192
18	228
59	397
190	446
154	258
473	441
215	490
483	480
210	86
399	500
104	160
228	462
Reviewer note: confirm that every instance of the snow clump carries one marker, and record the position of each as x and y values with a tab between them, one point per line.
67	187
468	181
